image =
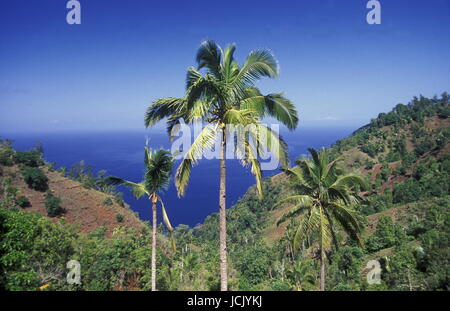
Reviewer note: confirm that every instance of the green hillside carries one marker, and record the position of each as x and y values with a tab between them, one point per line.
404	155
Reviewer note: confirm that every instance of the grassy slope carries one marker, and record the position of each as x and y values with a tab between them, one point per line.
272	233
85	209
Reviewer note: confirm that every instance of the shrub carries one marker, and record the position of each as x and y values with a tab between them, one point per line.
35	178
385	171
393	157
53	205
119	217
279	285
51	166
420	171
108	201
32	248
424	146
254	265
369	164
444	113
372	149
387	234
29	158
380	203
409	191
23	202
118	197
6	156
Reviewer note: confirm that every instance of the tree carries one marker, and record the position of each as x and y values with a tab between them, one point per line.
324	195
53	205
226	95
300	275
387	234
33	251
35	178
158	167
32	158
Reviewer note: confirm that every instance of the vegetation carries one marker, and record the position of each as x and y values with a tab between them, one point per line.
53	205
158	166
403	220
34	252
119	217
32	158
325	195
35	178
225	95
23	202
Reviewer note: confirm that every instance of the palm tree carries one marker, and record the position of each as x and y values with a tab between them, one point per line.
225	94
324	195
300	274
158	166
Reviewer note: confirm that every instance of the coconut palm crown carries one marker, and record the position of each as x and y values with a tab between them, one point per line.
225	95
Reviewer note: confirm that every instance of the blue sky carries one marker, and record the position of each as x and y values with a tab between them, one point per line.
102	74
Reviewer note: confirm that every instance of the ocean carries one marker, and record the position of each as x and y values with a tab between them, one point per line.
121	154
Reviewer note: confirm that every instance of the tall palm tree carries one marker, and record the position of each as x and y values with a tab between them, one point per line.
225	94
158	166
324	195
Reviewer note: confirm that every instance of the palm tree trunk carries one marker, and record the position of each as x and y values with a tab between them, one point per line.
223	219
322	270
154	200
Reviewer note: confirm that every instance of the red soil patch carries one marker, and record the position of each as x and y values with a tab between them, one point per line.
85	209
435	123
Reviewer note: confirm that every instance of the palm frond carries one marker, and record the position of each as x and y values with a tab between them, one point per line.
301	199
158	168
192	76
315	156
259	63
168	225
255	102
267	138
348	219
293	212
298	180
241	117
250	157
163	108
205	139
203	88
350	181
209	55
308	225
229	66
282	109
138	189
325	231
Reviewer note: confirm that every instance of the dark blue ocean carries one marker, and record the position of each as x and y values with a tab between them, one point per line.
121	154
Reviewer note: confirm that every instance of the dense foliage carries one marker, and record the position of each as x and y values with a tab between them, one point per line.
35	178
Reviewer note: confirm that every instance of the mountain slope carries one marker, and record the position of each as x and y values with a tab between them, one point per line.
85	209
388	151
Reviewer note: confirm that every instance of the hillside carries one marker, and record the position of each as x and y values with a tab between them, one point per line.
404	156
83	207
389	151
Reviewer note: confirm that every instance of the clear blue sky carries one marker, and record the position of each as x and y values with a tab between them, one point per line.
103	73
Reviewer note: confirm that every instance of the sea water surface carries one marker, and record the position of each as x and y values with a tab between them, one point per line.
121	153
